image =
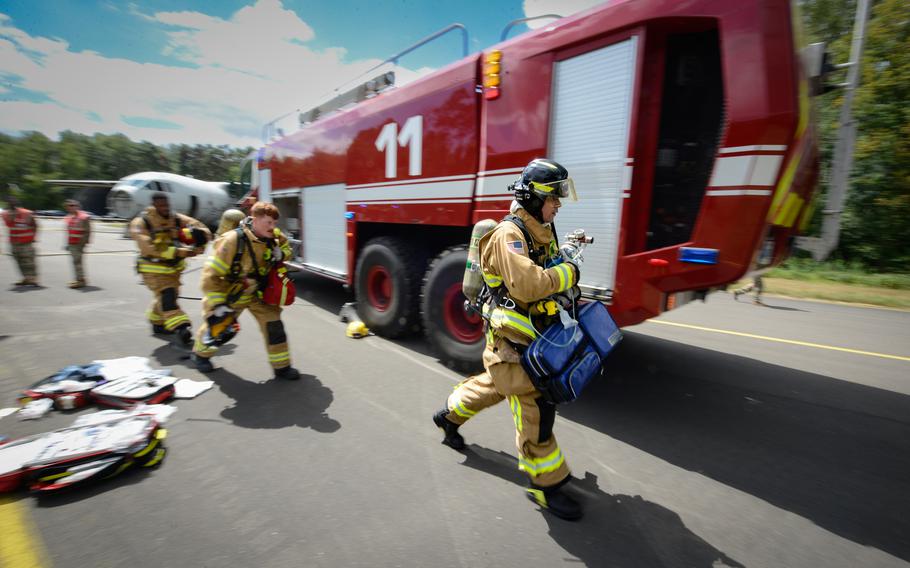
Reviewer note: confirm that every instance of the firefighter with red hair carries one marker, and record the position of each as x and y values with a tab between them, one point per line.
232	281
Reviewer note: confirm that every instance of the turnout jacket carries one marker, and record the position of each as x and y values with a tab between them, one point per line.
160	250
225	281
506	262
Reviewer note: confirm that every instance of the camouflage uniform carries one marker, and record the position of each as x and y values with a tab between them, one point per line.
23	229
79	232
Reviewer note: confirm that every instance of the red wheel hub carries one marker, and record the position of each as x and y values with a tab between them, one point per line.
463	326
379	287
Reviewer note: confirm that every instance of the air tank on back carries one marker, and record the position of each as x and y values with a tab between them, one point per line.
472	283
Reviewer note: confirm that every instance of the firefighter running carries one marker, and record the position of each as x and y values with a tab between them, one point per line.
514	272
23	229
78	233
231	279
165	240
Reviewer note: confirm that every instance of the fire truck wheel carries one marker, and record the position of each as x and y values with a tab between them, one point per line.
387	285
457	336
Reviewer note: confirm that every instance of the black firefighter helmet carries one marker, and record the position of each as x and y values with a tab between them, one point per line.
540	179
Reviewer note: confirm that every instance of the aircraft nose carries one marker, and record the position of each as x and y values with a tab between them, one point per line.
121	203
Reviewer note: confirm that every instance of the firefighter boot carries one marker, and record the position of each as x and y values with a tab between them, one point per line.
452	438
287	373
555	500
183	337
203	365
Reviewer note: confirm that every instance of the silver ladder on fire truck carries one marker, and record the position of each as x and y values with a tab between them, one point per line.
687	127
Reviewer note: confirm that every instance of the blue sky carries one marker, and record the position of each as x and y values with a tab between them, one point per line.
213	72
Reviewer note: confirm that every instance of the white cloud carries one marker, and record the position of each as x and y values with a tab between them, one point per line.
244	71
563	8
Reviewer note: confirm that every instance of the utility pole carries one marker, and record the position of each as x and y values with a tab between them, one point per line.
822	246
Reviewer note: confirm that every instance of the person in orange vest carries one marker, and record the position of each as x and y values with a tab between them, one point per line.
23	228
165	239
78	233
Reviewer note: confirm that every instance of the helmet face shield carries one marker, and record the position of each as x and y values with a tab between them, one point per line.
563	189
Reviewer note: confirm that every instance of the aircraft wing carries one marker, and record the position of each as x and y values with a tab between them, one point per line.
102	183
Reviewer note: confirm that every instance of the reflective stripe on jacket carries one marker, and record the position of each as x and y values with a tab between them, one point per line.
78	228
506	262
21	226
217	280
158	247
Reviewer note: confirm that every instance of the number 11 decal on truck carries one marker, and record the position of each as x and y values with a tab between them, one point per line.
686	127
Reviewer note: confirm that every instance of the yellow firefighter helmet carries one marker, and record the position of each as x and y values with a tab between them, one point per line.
357	329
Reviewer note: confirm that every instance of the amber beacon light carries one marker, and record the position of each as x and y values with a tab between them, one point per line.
492	64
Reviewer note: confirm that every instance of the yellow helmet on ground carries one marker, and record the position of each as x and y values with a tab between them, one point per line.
357	329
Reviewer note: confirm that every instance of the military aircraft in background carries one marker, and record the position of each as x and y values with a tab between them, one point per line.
128	196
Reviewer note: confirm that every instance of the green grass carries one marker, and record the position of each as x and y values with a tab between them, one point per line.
836	281
808	270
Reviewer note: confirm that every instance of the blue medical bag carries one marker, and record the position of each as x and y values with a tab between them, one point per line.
561	362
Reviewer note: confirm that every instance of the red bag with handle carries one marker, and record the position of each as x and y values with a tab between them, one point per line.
279	289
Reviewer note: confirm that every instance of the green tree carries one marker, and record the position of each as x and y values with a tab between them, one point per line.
877	220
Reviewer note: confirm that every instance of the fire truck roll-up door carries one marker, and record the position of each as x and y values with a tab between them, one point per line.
589	135
324	240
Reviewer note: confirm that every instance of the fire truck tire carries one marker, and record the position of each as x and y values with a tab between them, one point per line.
387	285
456	336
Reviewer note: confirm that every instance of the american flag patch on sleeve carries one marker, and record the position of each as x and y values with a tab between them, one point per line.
517	247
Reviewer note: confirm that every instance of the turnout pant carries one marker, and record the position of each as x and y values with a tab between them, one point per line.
269	319
539	455
76	251
164	309
25	259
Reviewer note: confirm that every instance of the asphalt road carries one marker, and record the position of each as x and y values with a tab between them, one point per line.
723	434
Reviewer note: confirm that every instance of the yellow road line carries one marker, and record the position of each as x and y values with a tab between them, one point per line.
779	340
18	548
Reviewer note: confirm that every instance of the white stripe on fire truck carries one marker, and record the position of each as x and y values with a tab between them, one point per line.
750	170
765	148
439	190
729	192
499	197
409	202
510	171
494	185
412	181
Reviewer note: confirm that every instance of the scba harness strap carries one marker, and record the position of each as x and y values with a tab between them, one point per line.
153	233
270	274
498	309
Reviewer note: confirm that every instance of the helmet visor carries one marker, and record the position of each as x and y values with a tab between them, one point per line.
564	188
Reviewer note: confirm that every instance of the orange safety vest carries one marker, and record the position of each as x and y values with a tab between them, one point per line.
21	231
75	227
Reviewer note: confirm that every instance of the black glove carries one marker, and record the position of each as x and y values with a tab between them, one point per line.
199	237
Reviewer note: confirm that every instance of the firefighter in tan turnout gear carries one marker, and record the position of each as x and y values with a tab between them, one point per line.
231	283
512	264
165	240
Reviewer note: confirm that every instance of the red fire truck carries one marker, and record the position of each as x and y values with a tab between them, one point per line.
685	125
